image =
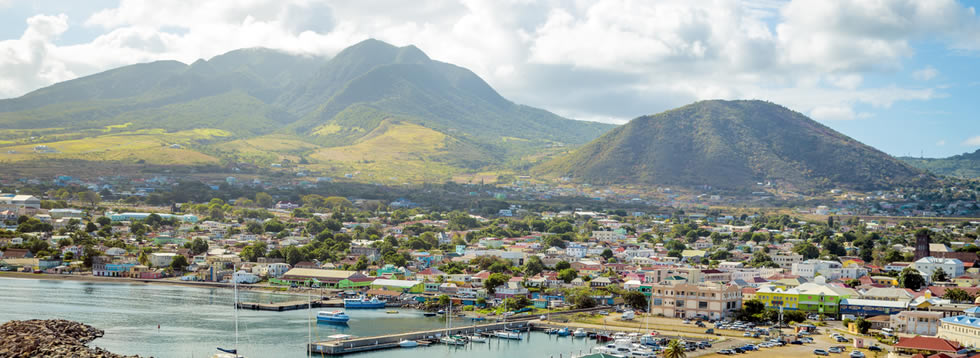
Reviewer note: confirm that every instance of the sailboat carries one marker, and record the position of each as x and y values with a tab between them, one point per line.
232	353
448	339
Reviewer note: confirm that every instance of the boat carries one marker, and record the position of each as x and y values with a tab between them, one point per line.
478	318
441	312
429	314
332	317
507	335
477	339
563	332
391	312
603	337
364	303
408	344
232	353
452	341
579	333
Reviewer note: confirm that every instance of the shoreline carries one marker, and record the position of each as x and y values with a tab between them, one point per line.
166	282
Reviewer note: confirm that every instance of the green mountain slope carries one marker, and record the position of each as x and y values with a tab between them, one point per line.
371	88
966	165
732	145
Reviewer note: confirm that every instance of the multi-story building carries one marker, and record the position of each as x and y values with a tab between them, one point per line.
917	322
831	270
929	265
821	298
690	300
775	297
786	260
964	329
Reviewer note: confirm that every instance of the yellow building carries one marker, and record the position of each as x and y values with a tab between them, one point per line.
885	281
775	297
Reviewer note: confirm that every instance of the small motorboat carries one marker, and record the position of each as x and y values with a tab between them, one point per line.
408	344
477	339
478	318
579	333
563	332
507	335
391	312
429	314
441	312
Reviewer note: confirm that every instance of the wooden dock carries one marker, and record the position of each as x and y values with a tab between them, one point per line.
363	344
289	305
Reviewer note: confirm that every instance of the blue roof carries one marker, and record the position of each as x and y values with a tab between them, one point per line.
975	309
963	321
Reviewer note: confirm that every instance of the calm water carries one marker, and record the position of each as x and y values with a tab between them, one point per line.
193	321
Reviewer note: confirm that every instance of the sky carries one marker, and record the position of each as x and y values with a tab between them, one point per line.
900	75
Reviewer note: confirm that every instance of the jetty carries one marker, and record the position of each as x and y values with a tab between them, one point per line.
364	344
289	305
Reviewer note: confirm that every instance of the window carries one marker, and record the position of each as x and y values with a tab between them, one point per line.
679	303
702	305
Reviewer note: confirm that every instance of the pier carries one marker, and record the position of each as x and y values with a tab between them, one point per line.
289	305
363	344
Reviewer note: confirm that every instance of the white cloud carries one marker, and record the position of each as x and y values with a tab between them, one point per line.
925	74
974	141
606	59
941	143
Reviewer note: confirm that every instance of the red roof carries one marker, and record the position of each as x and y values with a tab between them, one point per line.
931	344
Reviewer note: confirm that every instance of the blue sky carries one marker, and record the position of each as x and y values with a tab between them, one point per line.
898	75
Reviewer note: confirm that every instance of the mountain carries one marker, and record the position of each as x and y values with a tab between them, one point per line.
966	165
390	111
731	145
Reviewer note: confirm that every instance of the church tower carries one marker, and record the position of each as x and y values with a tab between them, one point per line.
921	244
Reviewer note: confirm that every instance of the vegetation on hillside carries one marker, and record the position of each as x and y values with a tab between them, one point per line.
966	165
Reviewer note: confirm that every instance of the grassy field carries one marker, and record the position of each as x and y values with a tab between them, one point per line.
150	146
268	149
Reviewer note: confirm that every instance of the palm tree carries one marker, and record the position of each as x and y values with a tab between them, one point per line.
674	350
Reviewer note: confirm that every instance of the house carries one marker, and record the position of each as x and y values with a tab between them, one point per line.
16	254
786	260
285	205
162	259
916	322
926	345
510	289
325	278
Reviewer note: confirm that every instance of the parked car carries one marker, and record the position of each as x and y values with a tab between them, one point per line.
687	321
820	352
857	354
709	331
836	349
726	352
796	342
604	312
874	349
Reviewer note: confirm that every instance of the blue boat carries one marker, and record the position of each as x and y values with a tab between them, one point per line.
364	303
332	317
564	332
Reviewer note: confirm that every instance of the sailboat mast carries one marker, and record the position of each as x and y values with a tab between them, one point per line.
309	322
234	272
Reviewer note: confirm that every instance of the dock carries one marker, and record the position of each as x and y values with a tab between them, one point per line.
364	344
289	305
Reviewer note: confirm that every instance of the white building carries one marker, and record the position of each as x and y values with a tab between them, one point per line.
786	260
162	259
917	322
831	270
577	251
929	265
608	235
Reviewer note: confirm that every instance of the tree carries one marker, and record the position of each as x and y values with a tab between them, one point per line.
198	246
91	227
750	309
179	263
939	275
104	221
274	226
561	265
958	295
863	325
606	254
674	349
533	266
636	300
264	200
494	280
911	278
567	275
760	259
581	298
88	196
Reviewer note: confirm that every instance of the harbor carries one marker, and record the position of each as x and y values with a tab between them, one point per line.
363	344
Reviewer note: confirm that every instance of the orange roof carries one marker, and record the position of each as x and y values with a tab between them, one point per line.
932	344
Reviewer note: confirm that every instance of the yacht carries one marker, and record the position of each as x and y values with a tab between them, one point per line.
452	340
408	344
477	339
579	333
332	317
507	334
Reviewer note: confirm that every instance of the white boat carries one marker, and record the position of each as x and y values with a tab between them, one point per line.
477	339
507	334
579	333
332	317
232	353
408	344
452	341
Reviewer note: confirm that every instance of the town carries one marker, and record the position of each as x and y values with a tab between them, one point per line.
908	283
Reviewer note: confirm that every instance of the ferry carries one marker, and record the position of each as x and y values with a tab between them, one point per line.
332	317
363	302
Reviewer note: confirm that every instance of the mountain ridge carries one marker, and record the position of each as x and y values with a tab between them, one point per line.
730	145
